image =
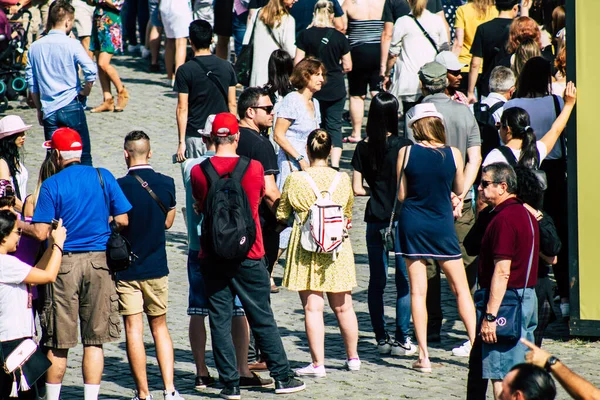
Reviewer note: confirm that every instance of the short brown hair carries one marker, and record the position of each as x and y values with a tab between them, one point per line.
429	129
59	10
304	70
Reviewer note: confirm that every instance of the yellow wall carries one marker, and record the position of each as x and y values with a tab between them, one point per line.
588	147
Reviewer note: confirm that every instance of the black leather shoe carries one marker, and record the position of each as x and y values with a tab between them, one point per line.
291	385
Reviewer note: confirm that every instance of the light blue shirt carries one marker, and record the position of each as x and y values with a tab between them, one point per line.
52	70
193	219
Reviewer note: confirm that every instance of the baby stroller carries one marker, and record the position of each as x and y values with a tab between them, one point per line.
13	42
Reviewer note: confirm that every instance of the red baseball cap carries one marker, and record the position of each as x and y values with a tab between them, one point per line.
225	124
64	139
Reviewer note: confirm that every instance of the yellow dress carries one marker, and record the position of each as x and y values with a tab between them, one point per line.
305	270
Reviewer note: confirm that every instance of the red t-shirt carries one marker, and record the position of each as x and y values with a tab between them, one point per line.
508	237
253	184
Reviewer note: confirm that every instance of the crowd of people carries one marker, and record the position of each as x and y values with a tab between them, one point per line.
463	159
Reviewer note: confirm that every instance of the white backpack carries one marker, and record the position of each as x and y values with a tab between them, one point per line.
325	227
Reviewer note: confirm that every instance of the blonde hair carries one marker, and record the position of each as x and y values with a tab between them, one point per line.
322	14
429	129
318	144
483	6
272	13
528	48
417	7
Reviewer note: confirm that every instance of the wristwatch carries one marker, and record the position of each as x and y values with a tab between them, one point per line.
299	158
490	317
550	362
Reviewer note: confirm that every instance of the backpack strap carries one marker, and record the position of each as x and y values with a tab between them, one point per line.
240	169
209	171
496	107
509	155
312	184
334	183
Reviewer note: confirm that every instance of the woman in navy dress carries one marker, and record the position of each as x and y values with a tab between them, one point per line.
433	175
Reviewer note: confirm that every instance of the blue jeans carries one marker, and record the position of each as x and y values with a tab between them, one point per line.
378	268
71	116
238	25
135	11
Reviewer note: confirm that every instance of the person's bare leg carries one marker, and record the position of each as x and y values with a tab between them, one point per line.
341	304
93	364
85	42
240	333
56	372
170	59
222	47
164	349
336	156
104	64
417	276
357	112
180	52
313	303
104	79
136	352
457	279
154	43
197	333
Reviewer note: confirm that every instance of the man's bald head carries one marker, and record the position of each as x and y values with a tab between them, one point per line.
137	145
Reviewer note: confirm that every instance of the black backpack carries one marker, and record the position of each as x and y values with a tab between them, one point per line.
488	130
228	229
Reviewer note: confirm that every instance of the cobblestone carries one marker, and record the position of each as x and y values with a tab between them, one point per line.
152	108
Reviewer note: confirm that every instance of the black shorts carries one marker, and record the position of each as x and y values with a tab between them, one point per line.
223	17
365	69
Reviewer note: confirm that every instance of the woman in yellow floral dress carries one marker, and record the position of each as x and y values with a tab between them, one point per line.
313	274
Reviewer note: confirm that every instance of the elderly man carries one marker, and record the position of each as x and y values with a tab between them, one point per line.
462	132
506	263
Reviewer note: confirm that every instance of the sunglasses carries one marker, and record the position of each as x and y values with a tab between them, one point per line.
267	109
485	183
454	73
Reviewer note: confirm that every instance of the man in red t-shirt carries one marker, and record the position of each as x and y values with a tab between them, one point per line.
251	283
508	260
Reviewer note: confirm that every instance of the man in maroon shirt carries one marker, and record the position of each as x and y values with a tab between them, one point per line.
251	283
508	252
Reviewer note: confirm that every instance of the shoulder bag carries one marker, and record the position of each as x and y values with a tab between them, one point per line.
388	235
243	64
563	142
425	33
145	185
25	357
211	76
513	162
118	249
508	319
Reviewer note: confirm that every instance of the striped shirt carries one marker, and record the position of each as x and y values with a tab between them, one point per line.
364	32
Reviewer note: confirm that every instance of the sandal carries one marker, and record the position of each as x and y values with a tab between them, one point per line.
422	366
107	105
122	100
350	139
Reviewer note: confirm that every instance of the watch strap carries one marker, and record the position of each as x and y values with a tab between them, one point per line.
550	362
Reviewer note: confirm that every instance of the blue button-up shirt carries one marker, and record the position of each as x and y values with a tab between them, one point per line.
52	70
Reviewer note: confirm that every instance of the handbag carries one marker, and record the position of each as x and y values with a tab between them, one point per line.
388	235
243	64
509	317
118	249
28	360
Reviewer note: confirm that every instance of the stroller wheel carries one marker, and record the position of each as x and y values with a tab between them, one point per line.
3	104
2	88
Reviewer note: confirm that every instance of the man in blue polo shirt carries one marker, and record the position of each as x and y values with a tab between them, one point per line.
84	288
143	287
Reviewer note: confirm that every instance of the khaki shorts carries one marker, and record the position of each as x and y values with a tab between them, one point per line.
150	296
83	289
84	15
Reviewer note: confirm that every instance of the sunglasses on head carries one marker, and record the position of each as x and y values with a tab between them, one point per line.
267	109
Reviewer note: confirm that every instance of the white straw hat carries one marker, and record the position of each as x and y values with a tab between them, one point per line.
424	110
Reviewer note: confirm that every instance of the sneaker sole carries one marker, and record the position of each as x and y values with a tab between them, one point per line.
232	397
290	390
460	354
323	375
404	352
268	385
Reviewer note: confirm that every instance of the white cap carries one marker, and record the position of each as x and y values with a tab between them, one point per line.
449	60
424	110
207	126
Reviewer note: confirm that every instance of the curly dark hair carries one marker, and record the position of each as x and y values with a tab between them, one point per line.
8	219
529	188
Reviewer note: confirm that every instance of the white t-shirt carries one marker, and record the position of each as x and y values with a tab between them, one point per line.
496	156
16	320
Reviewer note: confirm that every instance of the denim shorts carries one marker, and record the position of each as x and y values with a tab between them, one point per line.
197	300
154	13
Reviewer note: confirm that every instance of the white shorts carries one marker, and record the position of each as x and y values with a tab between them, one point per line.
84	14
176	17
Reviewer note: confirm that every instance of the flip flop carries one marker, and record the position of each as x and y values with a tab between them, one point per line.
350	139
421	367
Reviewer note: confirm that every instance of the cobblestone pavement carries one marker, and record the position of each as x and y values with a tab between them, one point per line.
152	108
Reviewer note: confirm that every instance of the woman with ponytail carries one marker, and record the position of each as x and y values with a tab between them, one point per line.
315	274
519	137
374	161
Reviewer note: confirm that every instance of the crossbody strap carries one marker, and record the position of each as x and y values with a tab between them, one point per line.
111	224
425	33
145	185
406	149
211	76
530	255
563	144
324	41
509	155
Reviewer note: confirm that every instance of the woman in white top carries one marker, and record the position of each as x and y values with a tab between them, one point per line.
12	139
519	137
16	315
274	28
411	49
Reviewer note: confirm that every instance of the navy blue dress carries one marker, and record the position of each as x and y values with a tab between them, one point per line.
426	224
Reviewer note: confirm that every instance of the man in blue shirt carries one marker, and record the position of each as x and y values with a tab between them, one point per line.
84	288
143	287
52	77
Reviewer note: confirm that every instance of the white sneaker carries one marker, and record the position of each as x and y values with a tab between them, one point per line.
384	346
404	349
565	310
172	396
133	49
462	351
146	53
352	364
137	397
312	371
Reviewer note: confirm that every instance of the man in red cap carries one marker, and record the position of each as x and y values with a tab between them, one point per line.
251	282
85	198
